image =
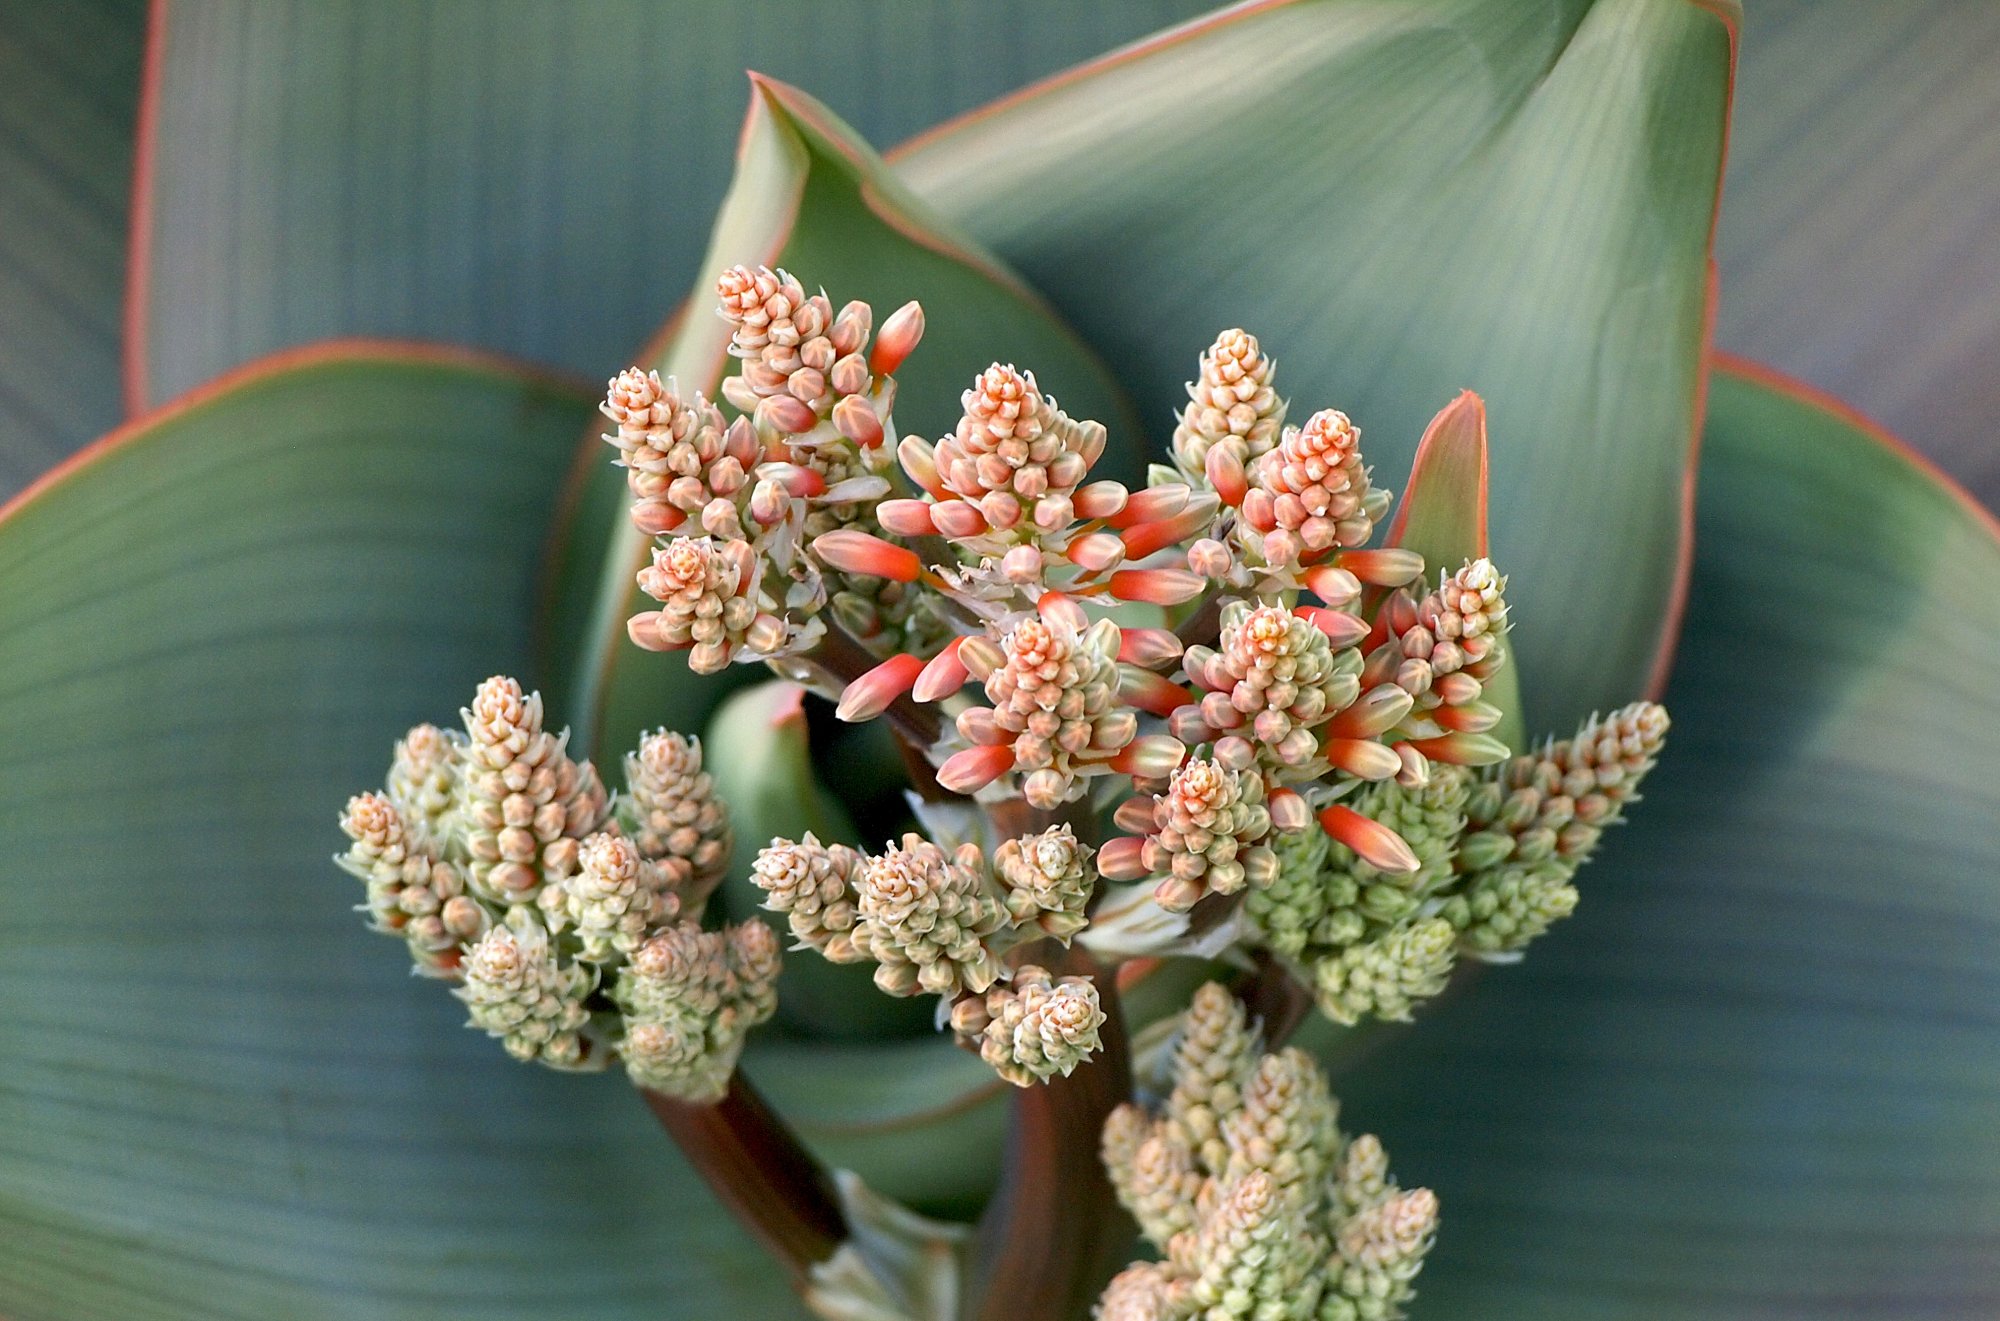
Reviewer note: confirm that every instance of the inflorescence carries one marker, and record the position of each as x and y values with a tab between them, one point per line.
1287	731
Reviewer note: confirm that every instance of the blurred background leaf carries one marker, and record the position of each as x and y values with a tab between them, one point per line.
69	95
222	1096
1756	1075
522	176
1860	239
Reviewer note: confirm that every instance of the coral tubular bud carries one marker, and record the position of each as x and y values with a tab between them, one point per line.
1150	506
900	335
1341	628
1334	585
1149	648
1386	567
1157	586
906	518
870	695
859	552
1122	859
1377	845
943	675
1150	692
973	769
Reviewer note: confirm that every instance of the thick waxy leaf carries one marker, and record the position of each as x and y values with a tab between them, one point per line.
221	1096
1442	516
1756	1075
1858	247
1404	200
811	197
69	95
528	177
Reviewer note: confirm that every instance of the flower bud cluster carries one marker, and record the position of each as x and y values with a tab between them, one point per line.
734	503
1259	1205
1231	401
507	869
1034	1026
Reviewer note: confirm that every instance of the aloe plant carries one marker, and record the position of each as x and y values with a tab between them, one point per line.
1710	1093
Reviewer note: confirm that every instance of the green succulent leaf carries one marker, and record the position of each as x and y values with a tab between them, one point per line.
69	92
1857	247
810	196
537	179
1756	1075
1442	516
1406	200
222	1096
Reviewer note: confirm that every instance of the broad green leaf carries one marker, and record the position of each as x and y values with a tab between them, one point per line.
1442	516
536	178
813	198
1402	201
1756	1075
1857	245
69	96
221	1096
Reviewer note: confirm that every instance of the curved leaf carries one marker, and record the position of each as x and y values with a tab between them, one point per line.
812	197
532	178
222	1097
1857	247
69	95
1442	516
1402	201
1756	1075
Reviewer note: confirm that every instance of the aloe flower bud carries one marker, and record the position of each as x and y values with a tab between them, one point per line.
1048	878
1039	1027
423	781
411	892
1380	1252
1213	1061
1310	493
525	804
690	998
1140	1292
678	456
813	885
1273	680
1055	711
516	989
1210	834
675	816
785	339
615	896
1287	1126
1015	457
1231	399
1288	913
924	916
707	590
1387	976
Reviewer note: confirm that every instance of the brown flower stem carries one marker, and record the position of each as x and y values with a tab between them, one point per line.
1054	1233
1205	624
1274	997
757	1168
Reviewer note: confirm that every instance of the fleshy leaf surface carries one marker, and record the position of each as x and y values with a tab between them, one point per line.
222	1096
69	96
1858	243
532	178
1756	1075
811	197
1406	200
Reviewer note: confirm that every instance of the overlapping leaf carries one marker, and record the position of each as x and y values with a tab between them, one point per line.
221	1096
1402	201
1755	1076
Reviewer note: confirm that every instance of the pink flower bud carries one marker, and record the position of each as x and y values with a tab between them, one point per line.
1100	499
957	519
1062	611
1023	564
1157	586
1149	757
900	335
943	676
919	460
1378	846
1224	468
1149	648
906	518
782	412
1151	505
859	552
854	417
1363	758
1387	567
981	656
870	695
1341	628
973	769
1289	810
1379	709
1150	692
1145	538
1121	859
1210	558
